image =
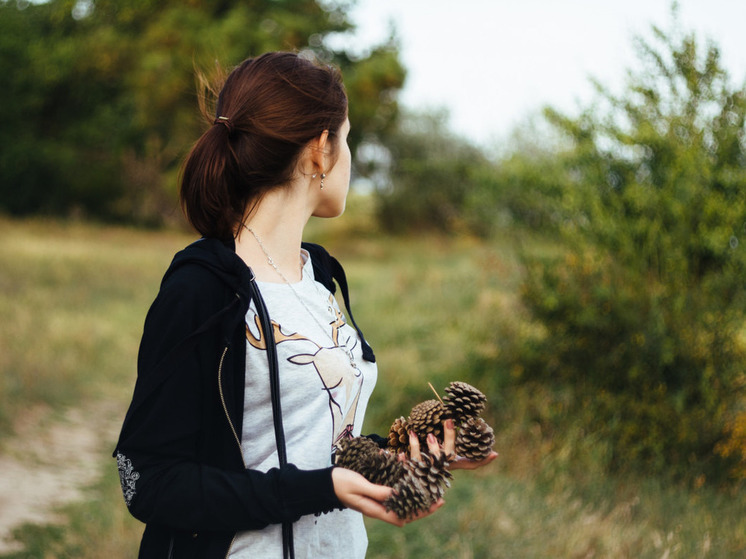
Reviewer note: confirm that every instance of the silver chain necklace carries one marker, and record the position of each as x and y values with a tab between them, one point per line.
271	262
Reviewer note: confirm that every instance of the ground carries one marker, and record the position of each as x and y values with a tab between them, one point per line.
49	462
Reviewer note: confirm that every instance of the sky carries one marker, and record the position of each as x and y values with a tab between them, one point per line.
493	63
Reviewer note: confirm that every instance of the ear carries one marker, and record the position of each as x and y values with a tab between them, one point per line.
318	152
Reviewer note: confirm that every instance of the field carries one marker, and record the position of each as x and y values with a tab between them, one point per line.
72	300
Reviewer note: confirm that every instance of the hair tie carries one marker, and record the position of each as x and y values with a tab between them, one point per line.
224	120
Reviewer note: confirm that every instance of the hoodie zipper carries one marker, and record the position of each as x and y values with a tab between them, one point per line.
225	408
233	429
233	539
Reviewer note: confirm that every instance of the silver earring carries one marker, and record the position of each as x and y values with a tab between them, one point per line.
313	176
323	176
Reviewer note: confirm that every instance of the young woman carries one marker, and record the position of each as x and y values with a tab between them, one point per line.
248	371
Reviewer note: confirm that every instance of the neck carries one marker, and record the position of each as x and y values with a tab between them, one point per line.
278	221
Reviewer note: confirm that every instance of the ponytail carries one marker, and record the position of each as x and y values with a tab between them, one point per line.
207	198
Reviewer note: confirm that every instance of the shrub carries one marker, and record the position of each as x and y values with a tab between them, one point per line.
642	313
437	181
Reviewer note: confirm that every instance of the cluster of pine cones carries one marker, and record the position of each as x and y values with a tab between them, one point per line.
420	483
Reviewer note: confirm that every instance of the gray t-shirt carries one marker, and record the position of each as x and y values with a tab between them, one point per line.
324	397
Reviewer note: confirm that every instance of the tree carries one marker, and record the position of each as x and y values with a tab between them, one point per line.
101	105
642	315
431	179
434	180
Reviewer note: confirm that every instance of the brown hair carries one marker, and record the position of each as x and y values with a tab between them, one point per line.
268	110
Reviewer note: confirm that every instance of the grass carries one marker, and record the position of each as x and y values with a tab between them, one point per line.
494	516
72	301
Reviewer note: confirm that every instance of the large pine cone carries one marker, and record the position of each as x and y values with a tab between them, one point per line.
399	436
363	456
354	454
427	417
464	401
432	473
384	469
475	439
409	497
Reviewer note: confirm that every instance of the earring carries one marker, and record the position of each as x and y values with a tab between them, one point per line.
313	176
323	176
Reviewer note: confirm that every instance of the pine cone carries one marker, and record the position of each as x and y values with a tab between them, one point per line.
363	456
384	469
464	401
409	497
432	473
475	439
427	417
355	453
399	436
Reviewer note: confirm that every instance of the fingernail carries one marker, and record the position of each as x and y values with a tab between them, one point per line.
412	435
449	423
430	438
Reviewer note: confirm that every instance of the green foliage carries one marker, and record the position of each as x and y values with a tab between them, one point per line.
99	104
433	177
642	315
437	181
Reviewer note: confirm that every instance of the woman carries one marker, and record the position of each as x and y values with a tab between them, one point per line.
248	371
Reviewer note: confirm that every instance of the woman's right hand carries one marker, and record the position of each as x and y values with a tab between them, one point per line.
357	493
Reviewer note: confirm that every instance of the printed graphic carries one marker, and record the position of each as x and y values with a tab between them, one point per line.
341	379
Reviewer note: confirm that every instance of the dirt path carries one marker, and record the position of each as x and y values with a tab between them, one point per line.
50	461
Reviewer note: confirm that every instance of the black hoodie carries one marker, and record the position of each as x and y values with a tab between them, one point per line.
179	452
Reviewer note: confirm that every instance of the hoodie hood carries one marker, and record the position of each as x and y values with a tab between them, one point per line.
218	257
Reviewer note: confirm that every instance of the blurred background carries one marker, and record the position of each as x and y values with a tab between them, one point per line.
548	203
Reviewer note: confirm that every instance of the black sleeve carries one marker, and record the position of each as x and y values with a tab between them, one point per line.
165	477
378	439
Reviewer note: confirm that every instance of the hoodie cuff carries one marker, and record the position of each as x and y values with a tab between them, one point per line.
308	492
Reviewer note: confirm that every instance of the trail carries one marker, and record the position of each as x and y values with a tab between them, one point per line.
48	463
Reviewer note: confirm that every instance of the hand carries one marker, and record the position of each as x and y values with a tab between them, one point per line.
357	493
449	447
432	445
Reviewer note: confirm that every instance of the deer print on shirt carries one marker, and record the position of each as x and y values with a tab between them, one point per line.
342	380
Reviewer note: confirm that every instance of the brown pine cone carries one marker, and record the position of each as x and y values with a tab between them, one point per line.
427	417
464	401
432	473
384	469
354	454
475	439
399	436
409	497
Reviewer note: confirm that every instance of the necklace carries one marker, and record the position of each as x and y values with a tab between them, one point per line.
272	263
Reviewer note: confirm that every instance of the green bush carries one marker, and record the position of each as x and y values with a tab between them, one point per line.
642	314
434	180
429	173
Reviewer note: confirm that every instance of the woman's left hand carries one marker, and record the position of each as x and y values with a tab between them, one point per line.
449	447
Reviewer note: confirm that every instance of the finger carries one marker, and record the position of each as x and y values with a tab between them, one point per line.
414	446
374	509
378	493
449	437
465	464
422	514
433	446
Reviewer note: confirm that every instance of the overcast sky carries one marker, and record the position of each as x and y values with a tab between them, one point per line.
492	62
